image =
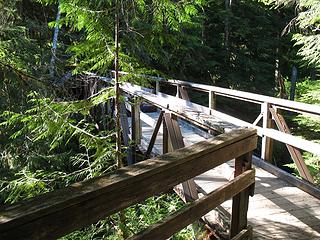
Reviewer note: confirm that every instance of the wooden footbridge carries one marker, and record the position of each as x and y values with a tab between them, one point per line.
206	156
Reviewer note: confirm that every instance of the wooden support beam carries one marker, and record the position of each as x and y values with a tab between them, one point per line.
240	202
245	234
178	91
267	144
125	133
180	108
294	152
195	210
154	134
299	183
255	123
165	138
189	187
251	97
157	87
212	100
57	213
184	93
173	131
136	124
241	95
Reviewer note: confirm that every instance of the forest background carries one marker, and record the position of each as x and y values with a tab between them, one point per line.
50	136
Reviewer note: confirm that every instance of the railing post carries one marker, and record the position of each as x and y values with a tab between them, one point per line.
240	202
212	100
135	121
157	87
165	138
178	91
267	143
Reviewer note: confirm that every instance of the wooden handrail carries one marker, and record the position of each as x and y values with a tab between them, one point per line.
178	106
60	212
185	109
252	97
241	95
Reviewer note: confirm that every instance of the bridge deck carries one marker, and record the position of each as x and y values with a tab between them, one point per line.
277	210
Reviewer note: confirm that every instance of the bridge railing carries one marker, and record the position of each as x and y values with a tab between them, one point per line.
60	212
269	115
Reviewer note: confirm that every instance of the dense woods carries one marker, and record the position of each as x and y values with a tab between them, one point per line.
52	132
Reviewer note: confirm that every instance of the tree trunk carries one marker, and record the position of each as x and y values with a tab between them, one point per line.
117	88
294	76
279	82
54	45
123	227
313	74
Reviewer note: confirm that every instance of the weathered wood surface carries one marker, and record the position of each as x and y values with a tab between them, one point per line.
278	209
294	152
215	120
299	183
203	116
189	190
240	202
267	142
241	95
197	209
60	212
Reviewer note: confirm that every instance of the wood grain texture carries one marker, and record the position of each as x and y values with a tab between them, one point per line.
294	152
240	202
154	134
277	206
213	120
58	213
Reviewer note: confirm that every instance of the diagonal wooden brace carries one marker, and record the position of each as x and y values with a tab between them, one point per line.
174	133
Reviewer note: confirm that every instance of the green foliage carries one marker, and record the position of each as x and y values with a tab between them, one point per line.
49	142
308	22
153	34
138	217
54	144
51	145
23	51
247	59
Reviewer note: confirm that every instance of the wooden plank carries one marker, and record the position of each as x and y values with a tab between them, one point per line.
294	153
176	140
180	107
212	100
195	113
255	123
136	124
184	93
125	133
154	134
197	209
245	234
189	187
177	131
165	137
294	141
302	184
157	87
240	202
247	96
267	145
57	213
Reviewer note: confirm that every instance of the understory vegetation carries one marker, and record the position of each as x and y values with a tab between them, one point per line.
56	118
